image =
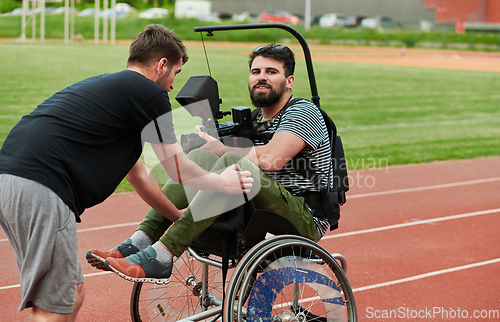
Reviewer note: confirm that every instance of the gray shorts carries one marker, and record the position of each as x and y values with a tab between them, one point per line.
42	230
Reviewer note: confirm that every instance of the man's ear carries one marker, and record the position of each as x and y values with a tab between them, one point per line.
161	66
290	80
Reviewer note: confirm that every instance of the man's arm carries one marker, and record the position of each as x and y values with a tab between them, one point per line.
274	155
150	192
271	157
231	181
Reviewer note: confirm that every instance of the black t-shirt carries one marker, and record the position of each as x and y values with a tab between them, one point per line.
82	141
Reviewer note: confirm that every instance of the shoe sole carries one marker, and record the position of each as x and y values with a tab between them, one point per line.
97	261
159	281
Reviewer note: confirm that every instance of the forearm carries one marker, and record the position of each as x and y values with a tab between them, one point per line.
151	193
184	171
229	180
263	156
270	157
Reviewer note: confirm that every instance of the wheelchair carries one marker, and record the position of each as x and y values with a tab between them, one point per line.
252	265
282	278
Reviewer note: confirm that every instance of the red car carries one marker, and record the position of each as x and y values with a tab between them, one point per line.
279	16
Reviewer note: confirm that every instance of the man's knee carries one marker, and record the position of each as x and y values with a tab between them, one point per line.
79	294
231	158
201	156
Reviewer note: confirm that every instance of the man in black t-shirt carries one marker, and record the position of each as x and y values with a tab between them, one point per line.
72	151
295	126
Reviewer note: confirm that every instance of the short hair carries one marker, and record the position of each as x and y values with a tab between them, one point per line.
154	43
280	53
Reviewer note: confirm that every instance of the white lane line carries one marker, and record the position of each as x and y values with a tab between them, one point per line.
109	227
403	280
85	275
430	274
414	223
363	288
438	186
408	279
99	228
371	194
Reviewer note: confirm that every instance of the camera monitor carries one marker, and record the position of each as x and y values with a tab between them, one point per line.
197	89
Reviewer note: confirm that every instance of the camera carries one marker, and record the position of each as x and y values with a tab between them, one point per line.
200	97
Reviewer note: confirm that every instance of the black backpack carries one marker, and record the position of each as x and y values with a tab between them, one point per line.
331	197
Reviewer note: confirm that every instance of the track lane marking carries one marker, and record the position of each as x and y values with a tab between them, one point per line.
403	280
98	228
413	223
84	275
408	279
425	275
363	195
438	186
109	227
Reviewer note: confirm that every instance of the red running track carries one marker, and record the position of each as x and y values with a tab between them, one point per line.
421	242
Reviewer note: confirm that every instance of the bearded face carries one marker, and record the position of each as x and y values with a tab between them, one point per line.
264	94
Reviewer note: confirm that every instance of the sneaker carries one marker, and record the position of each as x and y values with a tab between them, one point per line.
141	267
96	257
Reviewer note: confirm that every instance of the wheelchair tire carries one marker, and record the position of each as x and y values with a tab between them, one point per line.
177	299
289	278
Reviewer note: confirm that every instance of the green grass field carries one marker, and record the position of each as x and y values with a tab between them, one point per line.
386	115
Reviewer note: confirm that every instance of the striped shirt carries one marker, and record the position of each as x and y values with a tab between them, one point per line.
304	119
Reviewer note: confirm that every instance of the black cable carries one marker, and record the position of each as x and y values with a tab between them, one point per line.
206	56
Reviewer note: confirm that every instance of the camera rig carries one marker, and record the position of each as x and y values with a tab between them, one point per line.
204	88
200	97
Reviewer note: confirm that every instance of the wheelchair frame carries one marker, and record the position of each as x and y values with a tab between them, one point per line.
283	278
196	294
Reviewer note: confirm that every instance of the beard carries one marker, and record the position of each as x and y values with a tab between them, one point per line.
266	99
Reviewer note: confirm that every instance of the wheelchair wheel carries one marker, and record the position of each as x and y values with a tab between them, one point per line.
178	299
289	278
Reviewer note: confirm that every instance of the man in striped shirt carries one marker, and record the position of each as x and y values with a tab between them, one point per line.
289	131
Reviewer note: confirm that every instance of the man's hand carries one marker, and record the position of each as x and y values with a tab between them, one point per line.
212	144
236	181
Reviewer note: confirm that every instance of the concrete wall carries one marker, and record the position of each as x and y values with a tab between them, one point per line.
399	10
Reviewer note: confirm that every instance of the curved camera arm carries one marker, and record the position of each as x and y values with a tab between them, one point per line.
295	33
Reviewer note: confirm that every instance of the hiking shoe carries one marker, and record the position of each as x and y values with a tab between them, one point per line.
96	257
141	267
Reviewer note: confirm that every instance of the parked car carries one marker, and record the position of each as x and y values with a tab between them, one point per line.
108	13
61	10
124	7
379	23
154	13
88	12
122	10
331	20
16	12
19	11
353	21
279	16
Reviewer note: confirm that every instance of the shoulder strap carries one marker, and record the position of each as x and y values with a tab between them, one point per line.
260	128
255	113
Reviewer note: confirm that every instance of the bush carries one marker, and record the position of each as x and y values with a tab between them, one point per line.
8	5
128	27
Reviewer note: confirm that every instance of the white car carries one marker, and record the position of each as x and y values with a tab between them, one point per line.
61	10
330	20
154	13
122	10
380	23
124	7
88	12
